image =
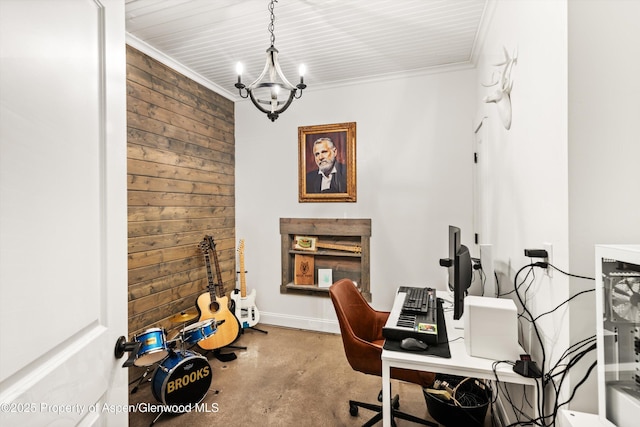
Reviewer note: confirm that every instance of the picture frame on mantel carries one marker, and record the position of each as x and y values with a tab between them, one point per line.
332	148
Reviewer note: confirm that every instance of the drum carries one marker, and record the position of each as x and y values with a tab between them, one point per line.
181	379
153	347
199	331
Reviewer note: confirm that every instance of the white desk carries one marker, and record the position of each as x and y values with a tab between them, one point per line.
460	364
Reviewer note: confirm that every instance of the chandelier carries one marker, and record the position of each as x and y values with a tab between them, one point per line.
271	92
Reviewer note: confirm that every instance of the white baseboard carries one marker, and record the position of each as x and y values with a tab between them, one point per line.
300	322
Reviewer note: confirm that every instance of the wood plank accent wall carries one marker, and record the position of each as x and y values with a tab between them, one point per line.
181	186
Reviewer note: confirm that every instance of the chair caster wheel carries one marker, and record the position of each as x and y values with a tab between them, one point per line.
395	402
353	410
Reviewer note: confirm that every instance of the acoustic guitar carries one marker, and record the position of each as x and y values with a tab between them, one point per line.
246	311
215	305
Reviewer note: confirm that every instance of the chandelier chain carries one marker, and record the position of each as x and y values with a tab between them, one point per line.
264	91
271	25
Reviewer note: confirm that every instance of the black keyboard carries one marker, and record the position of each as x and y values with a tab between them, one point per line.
429	327
418	300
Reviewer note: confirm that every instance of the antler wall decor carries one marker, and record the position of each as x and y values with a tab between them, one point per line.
502	95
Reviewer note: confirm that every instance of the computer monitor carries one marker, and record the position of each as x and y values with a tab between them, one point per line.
454	245
460	270
462	274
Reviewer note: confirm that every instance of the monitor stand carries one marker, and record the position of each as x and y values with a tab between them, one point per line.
458	324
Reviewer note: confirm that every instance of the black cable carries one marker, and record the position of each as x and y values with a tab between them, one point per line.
572	362
573	348
525	310
531	282
570	274
514	281
563	303
575	389
517	286
575	353
483	281
517	411
524	306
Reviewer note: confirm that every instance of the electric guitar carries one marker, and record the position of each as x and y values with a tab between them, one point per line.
215	305
246	310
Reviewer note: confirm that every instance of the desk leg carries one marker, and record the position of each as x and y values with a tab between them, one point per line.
536	412
386	394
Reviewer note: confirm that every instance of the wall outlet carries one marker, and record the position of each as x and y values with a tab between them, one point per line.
549	260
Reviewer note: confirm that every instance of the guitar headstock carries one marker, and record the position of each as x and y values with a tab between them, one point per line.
205	246
241	247
212	244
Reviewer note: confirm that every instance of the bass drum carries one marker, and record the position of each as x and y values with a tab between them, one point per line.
182	378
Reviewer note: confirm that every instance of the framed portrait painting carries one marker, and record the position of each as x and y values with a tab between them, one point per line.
327	163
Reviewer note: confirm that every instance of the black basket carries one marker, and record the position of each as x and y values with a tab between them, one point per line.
473	399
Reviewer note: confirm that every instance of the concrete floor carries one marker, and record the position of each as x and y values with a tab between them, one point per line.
287	378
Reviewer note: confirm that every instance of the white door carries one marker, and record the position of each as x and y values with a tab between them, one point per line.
480	169
63	224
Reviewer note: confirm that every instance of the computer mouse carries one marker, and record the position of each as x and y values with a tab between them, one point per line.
413	344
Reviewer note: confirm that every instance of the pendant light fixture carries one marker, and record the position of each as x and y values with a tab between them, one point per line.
271	92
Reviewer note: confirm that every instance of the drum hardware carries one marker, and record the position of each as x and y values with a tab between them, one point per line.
173	343
123	346
142	378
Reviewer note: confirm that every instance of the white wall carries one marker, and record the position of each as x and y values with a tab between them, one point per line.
566	172
414	141
604	65
525	190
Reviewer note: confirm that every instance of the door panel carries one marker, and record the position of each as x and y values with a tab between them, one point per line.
62	211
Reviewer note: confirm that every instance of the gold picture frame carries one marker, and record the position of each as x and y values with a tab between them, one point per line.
339	161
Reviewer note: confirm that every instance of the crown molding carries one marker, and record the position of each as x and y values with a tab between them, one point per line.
481	35
384	77
154	53
187	72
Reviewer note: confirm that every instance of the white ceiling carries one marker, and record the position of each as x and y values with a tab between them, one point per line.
339	41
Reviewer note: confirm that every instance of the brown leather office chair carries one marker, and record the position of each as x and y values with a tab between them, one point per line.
361	329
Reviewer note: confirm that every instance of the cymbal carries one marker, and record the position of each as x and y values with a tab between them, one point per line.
184	316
